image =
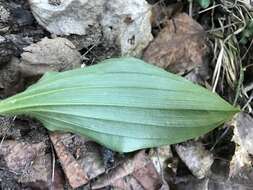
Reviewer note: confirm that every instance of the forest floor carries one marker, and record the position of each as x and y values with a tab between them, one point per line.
208	43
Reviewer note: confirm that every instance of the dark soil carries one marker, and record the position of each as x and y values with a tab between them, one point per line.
19	29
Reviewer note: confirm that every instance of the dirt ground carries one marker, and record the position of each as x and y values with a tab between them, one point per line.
209	48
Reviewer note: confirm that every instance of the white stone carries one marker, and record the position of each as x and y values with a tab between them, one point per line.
243	132
69	17
129	23
125	24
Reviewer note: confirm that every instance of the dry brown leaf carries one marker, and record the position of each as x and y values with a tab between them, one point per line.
29	162
148	177
141	168
57	54
161	13
72	169
179	47
87	154
127	183
90	159
128	167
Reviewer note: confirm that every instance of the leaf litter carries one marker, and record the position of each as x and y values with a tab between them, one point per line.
218	59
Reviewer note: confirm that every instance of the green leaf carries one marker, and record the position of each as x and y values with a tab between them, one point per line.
204	3
124	104
247	33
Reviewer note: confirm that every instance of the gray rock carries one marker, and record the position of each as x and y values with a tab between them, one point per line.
124	23
128	22
6	50
4	12
217	180
243	132
196	158
5	17
241	163
69	16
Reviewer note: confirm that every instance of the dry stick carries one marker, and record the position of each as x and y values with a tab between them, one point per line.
224	27
209	8
219	139
218	68
238	89
190	8
234	103
53	164
2	140
160	165
247	51
94	45
248	104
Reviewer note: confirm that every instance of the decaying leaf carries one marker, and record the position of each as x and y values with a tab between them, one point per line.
148	177
179	47
136	171
57	54
196	158
124	104
127	183
161	13
72	169
25	160
91	160
127	167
